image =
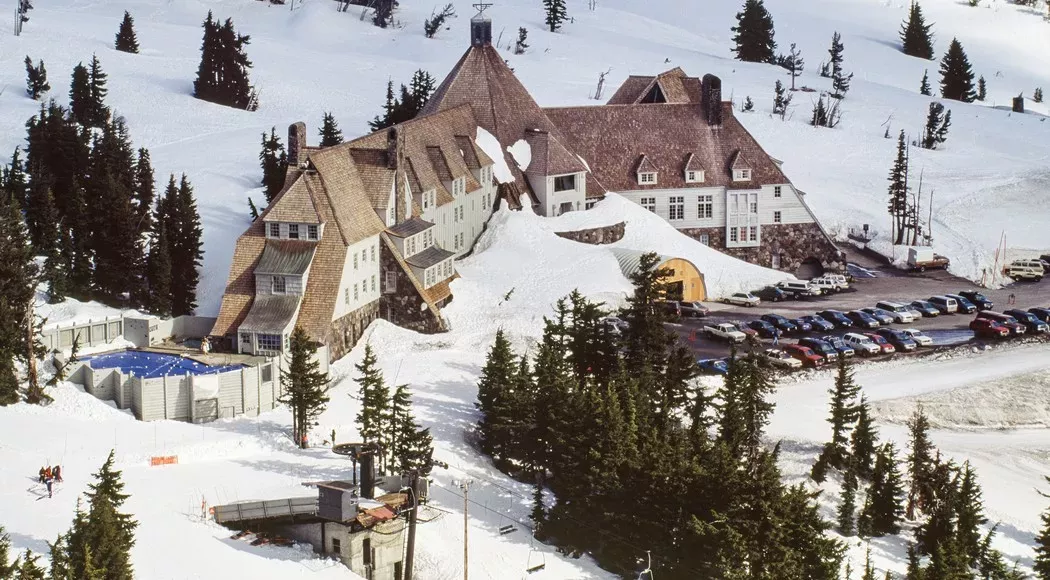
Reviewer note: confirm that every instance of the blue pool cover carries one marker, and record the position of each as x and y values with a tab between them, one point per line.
150	365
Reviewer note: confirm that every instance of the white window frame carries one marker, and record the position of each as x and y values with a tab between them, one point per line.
694	176
356	295
274	230
575	183
676	207
732	234
741	175
777	191
312	232
346	296
355	260
705	239
705	207
648	203
278	285
373	282
373	252
390	281
778	218
293	231
265	340
647	178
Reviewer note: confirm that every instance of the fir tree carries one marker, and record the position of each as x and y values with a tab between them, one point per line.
305	386
14	184
28	568
126	41
61	566
6	566
914	570
869	568
178	211
110	533
539	511
825	114
420	89
384	121
158	273
982	89
520	46
844	412
222	76
36	79
374	397
496	400
969	515
754	33
937	123
97	111
1041	567
555	12
330	133
274	162
920	463
884	508
18	274
916	38
207	84
115	241
80	95
848	506
1037	95
749	105
863	441
384	13
924	87
42	218
839	79
794	64
898	189
411	447
437	20
956	74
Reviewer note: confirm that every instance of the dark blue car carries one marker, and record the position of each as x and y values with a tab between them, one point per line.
979	300
714	366
818	323
964	304
780	322
836	317
862	319
763	328
1041	313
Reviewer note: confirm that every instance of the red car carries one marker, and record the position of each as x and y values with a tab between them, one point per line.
884	344
750	333
804	354
985	328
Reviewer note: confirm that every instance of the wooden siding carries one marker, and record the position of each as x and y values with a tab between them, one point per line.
692	282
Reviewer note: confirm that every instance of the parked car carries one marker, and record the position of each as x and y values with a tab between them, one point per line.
862	319
1045	259
780	358
925	308
693	309
799	289
725	331
839	280
1021	271
763	328
882	343
743	299
964	304
836	317
1034	325
826	285
714	366
818	323
861	343
944	304
805	355
988	328
1015	327
979	300
884	317
820	347
802	325
840	345
615	325
917	335
901	313
900	340
922	259
770	294
780	322
743	328
1041	313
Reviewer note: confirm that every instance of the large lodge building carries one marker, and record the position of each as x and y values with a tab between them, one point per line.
372	227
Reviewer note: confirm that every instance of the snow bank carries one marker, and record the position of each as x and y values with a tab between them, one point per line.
488	143
521	151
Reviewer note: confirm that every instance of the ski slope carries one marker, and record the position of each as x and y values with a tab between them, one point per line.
990	177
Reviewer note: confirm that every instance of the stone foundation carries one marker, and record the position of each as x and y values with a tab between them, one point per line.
795	243
402	304
596	236
346	331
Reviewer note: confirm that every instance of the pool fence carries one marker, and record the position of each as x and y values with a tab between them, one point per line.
141	330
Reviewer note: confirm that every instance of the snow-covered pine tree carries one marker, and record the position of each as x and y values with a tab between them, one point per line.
305	386
847	509
924	86
437	20
916	38
884	508
956	74
36	79
158	272
780	100
520	46
1041	567
374	398
109	532
839	80
556	13
496	400
329	132
748	105
98	112
80	95
794	64
863	440
936	130
898	189
274	163
754	33
126	41
920	463
982	89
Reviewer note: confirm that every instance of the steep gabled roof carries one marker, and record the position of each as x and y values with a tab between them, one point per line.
737	161
692	162
550	156
295	205
644	165
672	87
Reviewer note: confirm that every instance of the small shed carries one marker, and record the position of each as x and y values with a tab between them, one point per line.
687	282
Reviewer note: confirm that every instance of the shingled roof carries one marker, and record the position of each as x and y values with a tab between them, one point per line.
673	87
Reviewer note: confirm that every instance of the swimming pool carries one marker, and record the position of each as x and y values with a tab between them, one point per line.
149	365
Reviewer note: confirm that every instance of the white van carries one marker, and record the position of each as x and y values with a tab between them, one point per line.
944	304
861	343
826	284
796	288
1025	270
900	312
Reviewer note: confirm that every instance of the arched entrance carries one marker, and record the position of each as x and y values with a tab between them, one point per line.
809	268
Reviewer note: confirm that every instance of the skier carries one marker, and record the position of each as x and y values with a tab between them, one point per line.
49	482
47	473
776	337
41	474
56	473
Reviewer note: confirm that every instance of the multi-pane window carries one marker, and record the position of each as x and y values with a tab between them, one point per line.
649	203
355	260
754	207
373	253
277	285
293	231
268	341
705	239
246	338
753	236
647	178
373	282
732	235
311	232
346	296
776	191
355	293
694	176
777	217
364	254
390	284
676	208
275	230
704	206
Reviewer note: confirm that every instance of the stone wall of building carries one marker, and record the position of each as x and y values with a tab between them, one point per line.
346	331
402	304
596	236
795	243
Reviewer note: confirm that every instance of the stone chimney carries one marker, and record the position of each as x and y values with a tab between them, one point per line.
296	143
711	100
391	148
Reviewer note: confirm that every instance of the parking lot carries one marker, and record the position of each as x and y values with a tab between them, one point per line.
885	283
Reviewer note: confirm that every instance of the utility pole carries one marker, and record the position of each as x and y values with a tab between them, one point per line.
465	486
410	555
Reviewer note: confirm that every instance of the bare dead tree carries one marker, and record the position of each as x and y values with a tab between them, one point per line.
601	85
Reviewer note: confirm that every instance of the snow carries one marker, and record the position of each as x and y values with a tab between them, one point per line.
989	178
521	151
488	143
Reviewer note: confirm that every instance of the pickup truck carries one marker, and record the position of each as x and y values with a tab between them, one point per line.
923	259
725	331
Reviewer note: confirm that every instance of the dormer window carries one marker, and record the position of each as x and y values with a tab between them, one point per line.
429	200
293	231
741	175
565	183
647	178
692	176
311	232
275	230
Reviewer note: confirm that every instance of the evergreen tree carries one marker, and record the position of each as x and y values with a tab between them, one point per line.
496	400
437	20
384	121
126	41
222	76
109	533
61	566
920	463
411	447
330	133
924	87
794	64
884	507
520	46
757	386
869	568
969	515
14	184
848	506
305	386
539	511
839	79
158	273
916	38
844	412
144	189
98	112
183	224
374	397
384	13
36	79
80	95
749	105
863	441
115	241
938	531
956	74
18	274
1037	95
914	571
208	84
28	568
754	33
42	218
421	87
274	162
898	190
6	566
1041	567
780	100
982	89
937	123
555	13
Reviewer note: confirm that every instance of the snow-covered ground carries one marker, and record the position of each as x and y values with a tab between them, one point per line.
990	177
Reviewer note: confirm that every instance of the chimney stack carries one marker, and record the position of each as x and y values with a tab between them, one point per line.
391	148
368	475
296	143
711	100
